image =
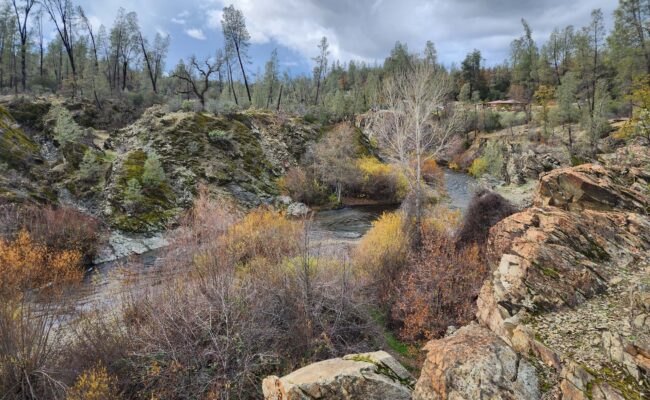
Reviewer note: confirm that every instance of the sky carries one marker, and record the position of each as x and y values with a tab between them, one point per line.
356	29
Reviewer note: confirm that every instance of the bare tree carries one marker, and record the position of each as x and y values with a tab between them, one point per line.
62	14
22	16
154	57
197	76
237	38
41	40
6	36
93	41
321	65
411	130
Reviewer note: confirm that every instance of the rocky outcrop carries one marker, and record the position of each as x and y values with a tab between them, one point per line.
522	166
589	187
239	155
368	376
474	363
566	312
569	278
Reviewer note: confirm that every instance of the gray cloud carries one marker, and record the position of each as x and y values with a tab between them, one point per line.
360	29
367	29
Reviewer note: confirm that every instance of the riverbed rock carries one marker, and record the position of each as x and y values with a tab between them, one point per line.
297	210
122	245
367	376
475	363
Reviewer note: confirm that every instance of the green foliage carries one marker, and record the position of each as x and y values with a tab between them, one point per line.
90	168
66	130
187	105
153	174
490	162
479	167
218	134
133	197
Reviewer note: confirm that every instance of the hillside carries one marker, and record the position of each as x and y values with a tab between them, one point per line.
239	155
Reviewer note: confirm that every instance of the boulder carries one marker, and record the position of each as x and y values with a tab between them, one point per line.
588	187
474	363
367	376
297	210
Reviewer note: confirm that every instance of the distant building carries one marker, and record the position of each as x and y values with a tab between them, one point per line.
510	105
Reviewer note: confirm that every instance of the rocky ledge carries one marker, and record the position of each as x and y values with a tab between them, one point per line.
368	376
566	312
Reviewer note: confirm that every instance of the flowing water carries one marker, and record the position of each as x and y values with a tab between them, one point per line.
331	232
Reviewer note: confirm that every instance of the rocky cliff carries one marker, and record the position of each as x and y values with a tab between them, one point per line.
566	312
46	158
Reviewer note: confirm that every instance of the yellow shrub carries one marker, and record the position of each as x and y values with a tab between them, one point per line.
95	384
25	264
479	167
370	166
442	219
383	249
266	234
380	180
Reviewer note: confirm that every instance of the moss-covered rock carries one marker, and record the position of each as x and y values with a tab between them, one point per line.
17	149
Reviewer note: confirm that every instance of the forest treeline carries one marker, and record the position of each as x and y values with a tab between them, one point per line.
586	66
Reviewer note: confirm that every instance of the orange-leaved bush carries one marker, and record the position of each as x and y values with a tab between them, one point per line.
438	287
25	264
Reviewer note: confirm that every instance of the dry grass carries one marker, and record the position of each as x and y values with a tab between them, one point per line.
251	302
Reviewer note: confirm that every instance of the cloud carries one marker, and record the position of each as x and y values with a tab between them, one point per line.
195	33
356	29
368	29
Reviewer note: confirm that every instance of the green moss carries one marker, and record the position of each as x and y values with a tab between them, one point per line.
619	379
154	209
384	369
550	273
29	114
17	150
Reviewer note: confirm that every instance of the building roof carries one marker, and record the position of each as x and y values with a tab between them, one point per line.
510	102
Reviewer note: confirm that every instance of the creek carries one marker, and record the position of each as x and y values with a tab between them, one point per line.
330	232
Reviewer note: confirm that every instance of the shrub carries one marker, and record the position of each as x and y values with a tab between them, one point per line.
432	174
484	211
218	134
133	197
187	105
66	130
491	120
33	279
438	287
95	384
58	229
381	254
25	264
153	174
490	162
264	234
90	168
216	330
302	185
380	181
479	167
